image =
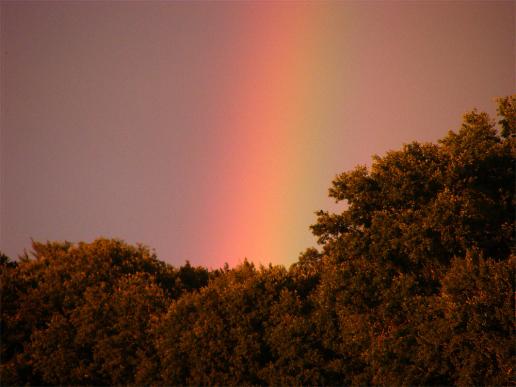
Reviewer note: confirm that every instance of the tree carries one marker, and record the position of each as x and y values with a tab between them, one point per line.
426	203
402	243
46	301
216	336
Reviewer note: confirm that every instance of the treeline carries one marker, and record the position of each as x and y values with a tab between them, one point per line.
413	283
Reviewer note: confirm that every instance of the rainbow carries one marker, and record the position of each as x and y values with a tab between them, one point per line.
274	122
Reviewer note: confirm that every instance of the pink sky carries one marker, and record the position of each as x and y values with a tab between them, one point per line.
211	131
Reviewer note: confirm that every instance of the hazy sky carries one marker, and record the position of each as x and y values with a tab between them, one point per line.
211	131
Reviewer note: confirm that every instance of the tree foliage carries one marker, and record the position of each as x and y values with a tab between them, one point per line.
72	310
413	283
